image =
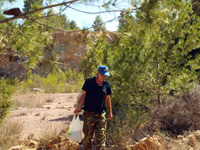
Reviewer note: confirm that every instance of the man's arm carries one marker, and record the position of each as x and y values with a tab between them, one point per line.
108	104
81	102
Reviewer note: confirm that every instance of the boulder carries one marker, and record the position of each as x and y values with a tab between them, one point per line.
148	143
197	135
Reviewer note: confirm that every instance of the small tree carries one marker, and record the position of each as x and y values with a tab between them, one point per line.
98	24
151	59
73	25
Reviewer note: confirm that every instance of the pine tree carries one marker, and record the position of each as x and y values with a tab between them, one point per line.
73	25
98	24
151	60
32	4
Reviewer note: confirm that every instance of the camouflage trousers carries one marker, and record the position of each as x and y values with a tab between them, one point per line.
94	123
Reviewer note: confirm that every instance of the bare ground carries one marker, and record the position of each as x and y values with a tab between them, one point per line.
44	112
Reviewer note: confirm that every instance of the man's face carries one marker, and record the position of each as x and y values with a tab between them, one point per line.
100	76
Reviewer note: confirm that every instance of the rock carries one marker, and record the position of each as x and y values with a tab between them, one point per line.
32	143
192	140
197	134
18	147
36	90
180	137
62	143
52	147
148	143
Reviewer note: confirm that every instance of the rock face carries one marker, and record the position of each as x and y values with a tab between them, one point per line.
71	47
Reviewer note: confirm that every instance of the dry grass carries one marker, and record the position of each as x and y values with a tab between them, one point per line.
47	134
178	114
29	102
9	133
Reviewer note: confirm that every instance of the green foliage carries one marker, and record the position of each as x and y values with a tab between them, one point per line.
73	25
30	5
60	21
96	56
98	24
151	59
49	62
55	82
6	90
196	8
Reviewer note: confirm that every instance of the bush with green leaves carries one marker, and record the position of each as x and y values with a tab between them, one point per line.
6	90
55	82
151	59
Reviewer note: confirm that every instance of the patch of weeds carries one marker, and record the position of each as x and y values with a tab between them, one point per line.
9	133
29	102
47	134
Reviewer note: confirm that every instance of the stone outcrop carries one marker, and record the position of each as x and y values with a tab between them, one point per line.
72	46
157	143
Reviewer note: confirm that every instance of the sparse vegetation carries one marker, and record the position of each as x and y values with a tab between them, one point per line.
47	134
29	102
57	82
10	133
177	115
6	90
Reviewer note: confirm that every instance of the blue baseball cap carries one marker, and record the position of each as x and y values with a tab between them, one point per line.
104	70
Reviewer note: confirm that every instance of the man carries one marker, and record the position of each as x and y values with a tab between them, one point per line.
96	93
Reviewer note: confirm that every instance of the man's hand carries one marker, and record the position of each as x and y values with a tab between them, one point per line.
77	110
110	116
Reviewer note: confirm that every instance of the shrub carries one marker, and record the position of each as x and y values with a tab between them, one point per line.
6	90
178	114
47	134
55	82
29	101
9	132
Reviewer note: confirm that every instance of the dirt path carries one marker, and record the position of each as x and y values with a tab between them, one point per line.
43	113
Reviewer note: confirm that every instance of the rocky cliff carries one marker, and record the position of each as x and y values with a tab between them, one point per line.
71	47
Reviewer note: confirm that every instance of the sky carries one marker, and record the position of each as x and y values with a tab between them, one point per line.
83	19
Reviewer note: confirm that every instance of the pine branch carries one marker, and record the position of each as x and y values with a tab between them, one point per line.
100	12
43	24
23	15
24	35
